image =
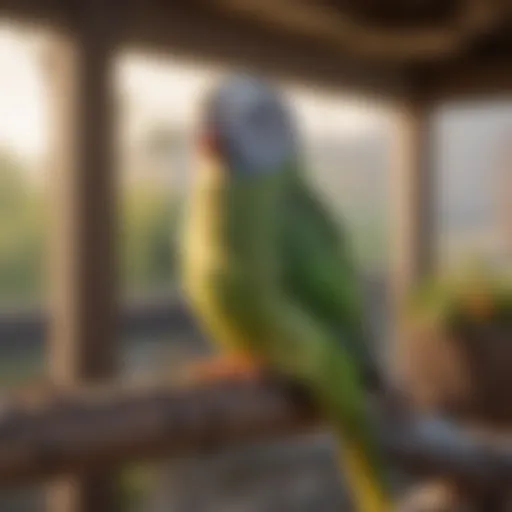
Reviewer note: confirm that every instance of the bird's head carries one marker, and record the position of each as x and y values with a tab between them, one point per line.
248	127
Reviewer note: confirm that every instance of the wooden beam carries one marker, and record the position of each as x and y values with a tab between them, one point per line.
205	35
196	33
82	339
340	32
85	430
52	13
465	82
370	41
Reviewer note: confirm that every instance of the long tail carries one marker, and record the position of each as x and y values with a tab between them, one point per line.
341	394
368	492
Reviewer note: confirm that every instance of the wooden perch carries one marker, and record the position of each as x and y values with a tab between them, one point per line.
77	431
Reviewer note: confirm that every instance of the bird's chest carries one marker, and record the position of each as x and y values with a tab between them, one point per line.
201	244
204	253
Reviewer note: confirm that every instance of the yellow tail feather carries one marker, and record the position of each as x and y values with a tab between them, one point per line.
368	494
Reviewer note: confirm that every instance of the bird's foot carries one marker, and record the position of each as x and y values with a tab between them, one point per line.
227	367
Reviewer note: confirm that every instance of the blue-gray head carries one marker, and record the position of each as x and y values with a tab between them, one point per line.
250	126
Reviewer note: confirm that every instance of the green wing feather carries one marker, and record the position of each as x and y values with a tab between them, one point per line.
320	272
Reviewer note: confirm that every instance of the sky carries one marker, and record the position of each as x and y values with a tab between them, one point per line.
22	96
153	89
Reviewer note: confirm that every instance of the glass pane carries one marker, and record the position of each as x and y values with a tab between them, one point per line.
474	173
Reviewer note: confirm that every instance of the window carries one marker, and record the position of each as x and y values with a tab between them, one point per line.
474	169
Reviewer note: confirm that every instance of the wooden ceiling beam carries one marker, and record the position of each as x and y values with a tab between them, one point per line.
188	30
196	32
45	13
466	81
370	42
203	35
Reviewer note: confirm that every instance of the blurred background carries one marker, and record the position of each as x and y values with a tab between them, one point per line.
348	143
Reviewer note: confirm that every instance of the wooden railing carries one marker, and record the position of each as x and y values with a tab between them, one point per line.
138	317
49	433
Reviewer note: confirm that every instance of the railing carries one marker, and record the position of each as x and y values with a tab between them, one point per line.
142	316
45	434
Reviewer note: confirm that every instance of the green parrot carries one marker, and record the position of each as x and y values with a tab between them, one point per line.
269	276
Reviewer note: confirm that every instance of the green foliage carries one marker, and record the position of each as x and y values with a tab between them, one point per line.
22	234
473	294
147	220
134	485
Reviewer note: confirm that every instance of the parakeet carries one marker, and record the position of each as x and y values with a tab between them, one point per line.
268	276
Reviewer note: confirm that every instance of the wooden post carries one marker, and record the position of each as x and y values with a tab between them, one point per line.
503	202
82	338
412	201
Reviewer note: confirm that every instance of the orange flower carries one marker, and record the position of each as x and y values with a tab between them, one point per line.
479	303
